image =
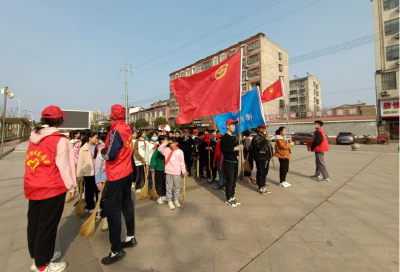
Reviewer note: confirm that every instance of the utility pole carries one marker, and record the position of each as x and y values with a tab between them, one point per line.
6	93
126	88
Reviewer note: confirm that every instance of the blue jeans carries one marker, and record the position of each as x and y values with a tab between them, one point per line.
221	174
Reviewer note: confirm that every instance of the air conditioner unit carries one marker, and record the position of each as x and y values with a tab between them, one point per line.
247	78
397	35
247	66
386	93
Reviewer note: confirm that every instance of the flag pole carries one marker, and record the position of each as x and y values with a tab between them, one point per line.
287	113
240	114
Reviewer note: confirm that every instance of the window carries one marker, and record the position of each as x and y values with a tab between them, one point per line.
182	74
163	113
293	99
172	104
254	59
317	101
254	45
244	87
391	27
243	75
172	78
293	108
317	86
254	72
390	4
232	51
244	46
280	55
280	67
193	70
204	66
176	75
302	100
153	114
317	93
293	92
215	61
244	63
187	72
392	52
171	96
389	81
223	57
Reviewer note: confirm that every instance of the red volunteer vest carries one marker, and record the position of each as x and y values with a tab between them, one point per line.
42	178
324	146
121	166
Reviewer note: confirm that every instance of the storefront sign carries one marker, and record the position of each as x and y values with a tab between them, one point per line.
277	116
340	112
271	117
353	111
389	108
318	114
310	114
293	115
329	113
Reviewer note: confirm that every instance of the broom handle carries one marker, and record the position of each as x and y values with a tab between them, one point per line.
80	191
184	186
209	163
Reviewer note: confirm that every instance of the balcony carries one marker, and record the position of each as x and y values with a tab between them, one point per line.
301	101
293	95
294	103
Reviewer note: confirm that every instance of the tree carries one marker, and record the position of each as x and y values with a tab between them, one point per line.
141	123
132	125
160	121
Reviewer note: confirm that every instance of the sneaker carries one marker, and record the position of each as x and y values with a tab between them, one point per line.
131	243
53	267
177	204
316	177
263	191
171	205
134	185
203	177
160	201
216	179
89	211
218	187
283	184
138	191
163	198
209	180
238	203
110	260
287	183
230	202
325	180
247	179
104	224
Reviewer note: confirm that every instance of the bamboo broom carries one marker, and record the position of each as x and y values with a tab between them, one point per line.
183	197
87	228
209	164
145	190
153	192
198	174
80	208
246	165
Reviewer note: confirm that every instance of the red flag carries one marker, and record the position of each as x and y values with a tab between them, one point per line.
211	92
272	92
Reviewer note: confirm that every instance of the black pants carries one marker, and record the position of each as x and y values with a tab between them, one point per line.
188	162
43	219
262	172
248	174
116	199
213	169
159	177
231	175
283	169
90	192
139	177
133	170
204	163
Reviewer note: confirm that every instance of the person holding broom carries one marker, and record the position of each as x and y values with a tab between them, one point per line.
49	174
117	190
157	166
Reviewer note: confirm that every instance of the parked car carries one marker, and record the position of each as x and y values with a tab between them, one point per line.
302	137
345	138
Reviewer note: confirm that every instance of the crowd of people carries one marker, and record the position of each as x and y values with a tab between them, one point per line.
120	160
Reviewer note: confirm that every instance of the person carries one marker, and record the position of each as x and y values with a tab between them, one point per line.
165	132
282	146
263	152
204	149
174	167
217	162
170	134
85	170
100	176
186	144
248	155
195	134
117	190
134	138
157	166
213	144
152	148
141	151
49	175
230	150
320	145
177	134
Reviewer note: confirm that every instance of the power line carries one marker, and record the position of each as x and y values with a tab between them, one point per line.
349	91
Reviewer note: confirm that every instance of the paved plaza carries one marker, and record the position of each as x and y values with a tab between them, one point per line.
350	224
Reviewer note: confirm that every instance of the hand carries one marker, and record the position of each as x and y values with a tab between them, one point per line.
185	174
147	167
237	148
80	180
99	186
308	149
267	137
71	195
152	170
272	159
214	165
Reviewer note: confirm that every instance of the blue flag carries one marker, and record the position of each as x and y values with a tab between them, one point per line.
252	113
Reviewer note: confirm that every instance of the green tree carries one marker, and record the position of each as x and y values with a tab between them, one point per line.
132	124
160	121
141	123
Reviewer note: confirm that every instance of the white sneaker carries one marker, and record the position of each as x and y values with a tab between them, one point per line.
133	185
177	204
57	254
55	267
160	201
209	180
104	226
89	211
287	183
164	199
171	205
216	179
138	191
284	185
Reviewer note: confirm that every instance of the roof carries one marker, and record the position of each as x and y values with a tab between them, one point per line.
152	108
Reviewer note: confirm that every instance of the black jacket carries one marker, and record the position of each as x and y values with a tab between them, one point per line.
317	140
228	144
262	148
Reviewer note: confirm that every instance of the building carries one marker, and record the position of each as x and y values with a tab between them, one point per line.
152	113
160	103
386	29
357	109
96	116
131	111
263	63
305	96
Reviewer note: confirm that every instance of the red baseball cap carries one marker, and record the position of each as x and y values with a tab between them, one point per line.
230	121
262	126
220	135
195	131
164	130
53	112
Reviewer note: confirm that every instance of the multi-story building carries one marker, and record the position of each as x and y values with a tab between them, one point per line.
386	30
131	111
96	116
305	96
160	103
263	63
152	113
361	109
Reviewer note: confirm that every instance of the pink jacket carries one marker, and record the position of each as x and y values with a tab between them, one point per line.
64	156
176	164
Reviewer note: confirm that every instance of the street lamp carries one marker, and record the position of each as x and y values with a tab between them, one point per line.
6	92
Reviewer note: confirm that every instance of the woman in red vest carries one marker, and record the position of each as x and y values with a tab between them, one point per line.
49	174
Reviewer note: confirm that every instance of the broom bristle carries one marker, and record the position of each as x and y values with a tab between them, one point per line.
183	197
145	190
80	208
153	192
246	166
87	228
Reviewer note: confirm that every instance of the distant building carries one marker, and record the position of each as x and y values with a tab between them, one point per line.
131	111
263	63
357	109
160	103
386	29
96	116
152	113
305	96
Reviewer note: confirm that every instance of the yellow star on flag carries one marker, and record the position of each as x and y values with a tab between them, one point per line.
271	90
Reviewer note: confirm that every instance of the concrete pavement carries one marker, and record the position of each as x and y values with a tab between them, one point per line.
350	224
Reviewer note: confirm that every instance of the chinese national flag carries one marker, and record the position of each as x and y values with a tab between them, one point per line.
272	92
211	92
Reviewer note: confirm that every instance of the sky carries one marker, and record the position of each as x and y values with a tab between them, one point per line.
69	53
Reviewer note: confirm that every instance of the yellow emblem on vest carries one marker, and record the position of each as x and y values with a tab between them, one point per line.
220	73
